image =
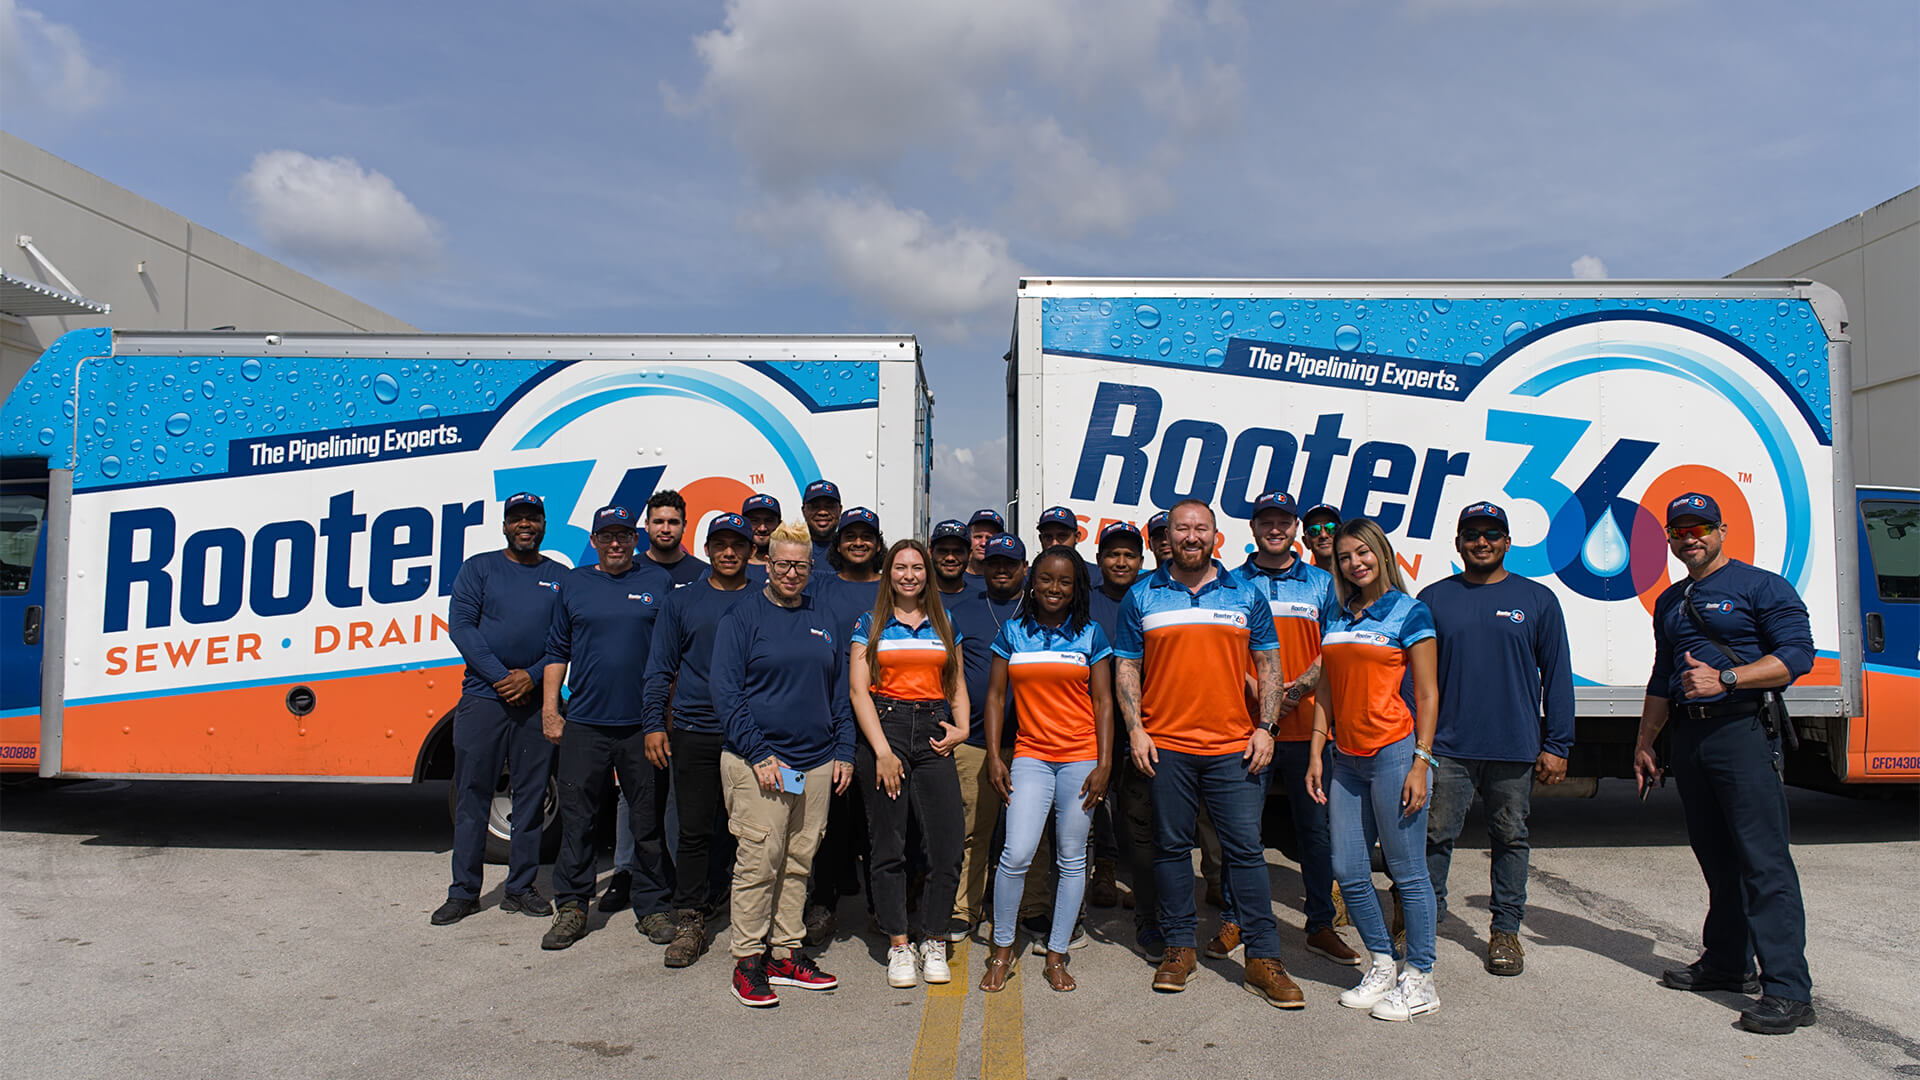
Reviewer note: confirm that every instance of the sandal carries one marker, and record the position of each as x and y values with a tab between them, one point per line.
999	970
1056	973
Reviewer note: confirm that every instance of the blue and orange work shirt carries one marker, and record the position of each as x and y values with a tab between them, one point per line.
912	658
1364	664
1300	598
1193	645
1050	671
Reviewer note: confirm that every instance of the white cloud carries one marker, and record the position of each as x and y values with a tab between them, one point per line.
336	214
1589	268
936	276
966	478
45	64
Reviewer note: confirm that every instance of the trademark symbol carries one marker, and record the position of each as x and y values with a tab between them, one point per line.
757	479
1745	477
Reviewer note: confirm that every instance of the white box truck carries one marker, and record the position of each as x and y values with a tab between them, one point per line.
229	554
1582	407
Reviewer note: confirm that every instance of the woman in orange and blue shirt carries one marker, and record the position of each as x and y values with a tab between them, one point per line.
910	701
1057	660
1377	640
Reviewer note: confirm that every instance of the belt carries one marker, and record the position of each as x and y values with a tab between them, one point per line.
1719	709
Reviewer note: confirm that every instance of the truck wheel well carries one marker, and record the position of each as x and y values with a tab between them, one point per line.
436	752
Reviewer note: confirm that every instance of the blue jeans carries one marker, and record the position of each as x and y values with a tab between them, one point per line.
1507	789
1363	805
1181	783
1043	789
1310	827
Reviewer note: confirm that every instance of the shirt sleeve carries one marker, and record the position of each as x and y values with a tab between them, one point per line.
463	623
841	709
1129	639
1002	644
1099	649
1555	657
559	631
663	664
1417	625
1660	682
728	680
863	628
1784	629
1262	636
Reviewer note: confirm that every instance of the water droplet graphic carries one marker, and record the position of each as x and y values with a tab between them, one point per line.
1190	337
461	361
1605	552
109	466
427	411
1515	331
1226	319
1147	315
1783	307
178	423
1215	358
1801	379
488	397
160	454
1276	319
1443	306
1476	358
386	389
250	369
206	389
1347	337
100	427
1115	341
46	436
1166	346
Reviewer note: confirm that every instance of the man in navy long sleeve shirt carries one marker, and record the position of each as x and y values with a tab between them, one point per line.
502	602
601	627
679	669
1503	658
1727	760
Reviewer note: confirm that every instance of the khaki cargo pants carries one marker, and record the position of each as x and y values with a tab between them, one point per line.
777	834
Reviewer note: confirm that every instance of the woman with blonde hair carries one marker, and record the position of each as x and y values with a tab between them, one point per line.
1375	641
910	701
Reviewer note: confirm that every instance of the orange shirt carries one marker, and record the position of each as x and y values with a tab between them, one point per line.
1193	648
1364	669
1050	674
912	658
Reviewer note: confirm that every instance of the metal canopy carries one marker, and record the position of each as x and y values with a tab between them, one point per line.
24	298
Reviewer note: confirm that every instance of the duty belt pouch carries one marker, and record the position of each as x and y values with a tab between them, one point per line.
1773	706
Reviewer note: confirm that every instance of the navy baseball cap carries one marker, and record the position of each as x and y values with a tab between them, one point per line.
820	489
1484	510
860	515
1157	523
1116	530
1059	515
1321	508
527	499
1273	500
1006	546
614	517
732	523
990	517
760	502
950	529
1694	504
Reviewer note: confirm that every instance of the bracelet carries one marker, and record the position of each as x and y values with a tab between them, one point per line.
1425	755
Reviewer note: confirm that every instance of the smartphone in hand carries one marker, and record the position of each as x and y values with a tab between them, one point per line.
792	781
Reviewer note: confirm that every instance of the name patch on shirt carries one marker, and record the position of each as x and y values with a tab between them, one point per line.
1284	609
1358	637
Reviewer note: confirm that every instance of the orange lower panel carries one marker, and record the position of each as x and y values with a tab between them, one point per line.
20	743
363	726
1886	744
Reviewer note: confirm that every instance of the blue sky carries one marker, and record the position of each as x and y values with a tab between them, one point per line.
862	165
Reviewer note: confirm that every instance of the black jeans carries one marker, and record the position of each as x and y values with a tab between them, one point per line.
929	793
590	756
705	843
1136	805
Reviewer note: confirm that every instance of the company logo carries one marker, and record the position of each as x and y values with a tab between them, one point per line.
821	634
1696	502
1516	615
645	597
554	585
1724	607
1229	618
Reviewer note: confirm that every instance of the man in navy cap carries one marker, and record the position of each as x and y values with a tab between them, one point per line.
1504	668
602	626
502	602
1158	539
1120	552
1060	527
1722	639
763	513
1318	525
820	505
983	526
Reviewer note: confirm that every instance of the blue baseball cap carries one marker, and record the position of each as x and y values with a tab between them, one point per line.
614	517
1273	500
1006	546
527	499
950	529
1157	523
1117	530
1059	515
1694	504
990	517
732	523
1322	508
820	489
760	502
860	515
1484	510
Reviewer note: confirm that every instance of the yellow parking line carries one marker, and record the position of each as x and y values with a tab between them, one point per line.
1003	1037
936	1056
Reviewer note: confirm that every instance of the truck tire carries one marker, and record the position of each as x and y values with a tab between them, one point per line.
500	825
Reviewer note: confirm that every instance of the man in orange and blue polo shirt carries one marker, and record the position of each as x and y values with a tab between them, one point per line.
1183	643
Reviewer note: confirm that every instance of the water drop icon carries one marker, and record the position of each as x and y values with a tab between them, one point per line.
1347	337
386	389
1276	319
109	466
178	423
250	369
1443	306
1147	316
1605	552
1515	331
427	411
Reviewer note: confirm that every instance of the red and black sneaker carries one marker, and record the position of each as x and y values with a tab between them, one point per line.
799	970
750	983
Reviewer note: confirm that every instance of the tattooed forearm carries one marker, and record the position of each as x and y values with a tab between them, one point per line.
1127	689
1273	688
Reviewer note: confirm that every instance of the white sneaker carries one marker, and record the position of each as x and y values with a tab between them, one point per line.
933	962
1374	985
1412	996
900	970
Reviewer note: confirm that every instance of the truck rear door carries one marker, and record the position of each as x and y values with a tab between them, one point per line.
23	557
1890	601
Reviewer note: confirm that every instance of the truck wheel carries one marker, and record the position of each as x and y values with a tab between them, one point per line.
500	823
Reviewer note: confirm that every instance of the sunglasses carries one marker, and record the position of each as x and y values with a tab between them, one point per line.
1468	536
1325	528
1690	532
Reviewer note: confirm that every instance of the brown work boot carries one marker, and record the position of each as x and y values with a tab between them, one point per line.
689	938
1224	942
1267	977
1327	942
1102	890
1340	917
1504	954
1175	969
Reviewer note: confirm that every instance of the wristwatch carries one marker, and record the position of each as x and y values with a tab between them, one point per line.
1728	679
1272	730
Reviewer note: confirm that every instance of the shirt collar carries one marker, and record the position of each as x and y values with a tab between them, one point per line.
1294	569
1222	579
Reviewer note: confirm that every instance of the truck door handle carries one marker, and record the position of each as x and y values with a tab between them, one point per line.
1876	632
30	627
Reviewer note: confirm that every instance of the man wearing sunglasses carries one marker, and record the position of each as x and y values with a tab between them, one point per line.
1504	664
1318	525
1721	639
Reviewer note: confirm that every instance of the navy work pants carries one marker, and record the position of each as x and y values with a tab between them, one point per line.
490	736
590	756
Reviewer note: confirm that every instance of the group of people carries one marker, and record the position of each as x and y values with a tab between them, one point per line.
809	698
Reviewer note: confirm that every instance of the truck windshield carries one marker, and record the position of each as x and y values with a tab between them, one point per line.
21	513
1893	539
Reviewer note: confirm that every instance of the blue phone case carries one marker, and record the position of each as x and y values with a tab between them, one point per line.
793	781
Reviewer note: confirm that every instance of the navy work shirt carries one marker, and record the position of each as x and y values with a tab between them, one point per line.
680	662
1754	611
602	629
779	683
498	618
1503	655
978	617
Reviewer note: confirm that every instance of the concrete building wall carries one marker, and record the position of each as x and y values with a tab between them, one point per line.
99	234
1873	261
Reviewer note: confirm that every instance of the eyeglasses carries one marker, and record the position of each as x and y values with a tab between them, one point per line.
1468	536
1691	532
785	566
1325	528
618	537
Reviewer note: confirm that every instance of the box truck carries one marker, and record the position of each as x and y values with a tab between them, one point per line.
229	555
1581	407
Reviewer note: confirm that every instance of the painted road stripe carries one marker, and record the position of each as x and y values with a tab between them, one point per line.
1003	1036
936	1056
